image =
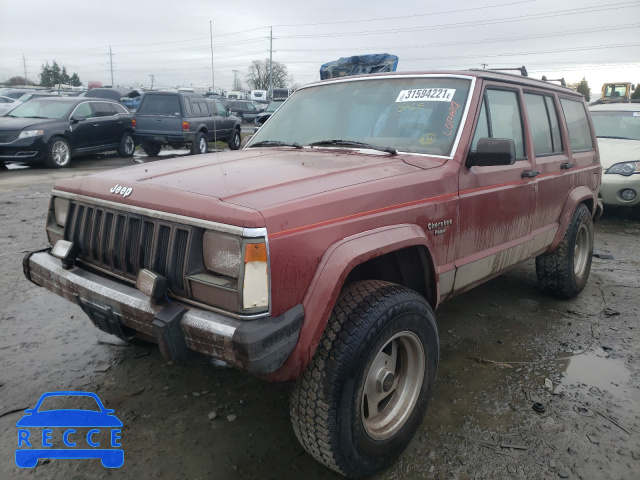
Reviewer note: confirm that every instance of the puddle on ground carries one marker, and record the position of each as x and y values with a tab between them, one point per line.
596	369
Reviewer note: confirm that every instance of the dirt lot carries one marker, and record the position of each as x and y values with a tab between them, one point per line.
504	347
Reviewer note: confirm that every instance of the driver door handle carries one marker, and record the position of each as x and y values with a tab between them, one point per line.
566	165
530	173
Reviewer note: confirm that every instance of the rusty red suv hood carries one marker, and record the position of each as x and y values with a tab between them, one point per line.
242	183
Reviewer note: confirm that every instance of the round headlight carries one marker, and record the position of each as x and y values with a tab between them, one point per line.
628	194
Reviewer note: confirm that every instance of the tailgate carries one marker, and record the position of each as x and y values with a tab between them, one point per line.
159	124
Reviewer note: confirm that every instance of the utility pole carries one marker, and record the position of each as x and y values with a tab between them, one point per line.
270	63
111	61
235	79
24	61
484	65
152	77
213	81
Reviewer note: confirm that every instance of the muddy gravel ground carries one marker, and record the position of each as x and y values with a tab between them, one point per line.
504	348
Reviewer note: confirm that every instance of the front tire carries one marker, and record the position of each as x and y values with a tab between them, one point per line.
235	140
127	146
564	272
58	153
152	149
199	144
365	392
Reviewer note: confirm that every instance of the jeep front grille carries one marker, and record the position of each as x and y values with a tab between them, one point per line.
122	243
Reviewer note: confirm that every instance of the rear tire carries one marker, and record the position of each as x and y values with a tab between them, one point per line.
358	403
152	149
235	140
199	144
127	146
58	153
564	272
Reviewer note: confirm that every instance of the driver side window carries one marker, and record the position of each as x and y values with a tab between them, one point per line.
83	110
500	117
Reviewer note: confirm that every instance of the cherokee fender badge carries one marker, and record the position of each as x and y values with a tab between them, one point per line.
120	190
439	227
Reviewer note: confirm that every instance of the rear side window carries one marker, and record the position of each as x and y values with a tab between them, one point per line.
200	108
500	117
102	109
577	124
119	108
160	105
543	120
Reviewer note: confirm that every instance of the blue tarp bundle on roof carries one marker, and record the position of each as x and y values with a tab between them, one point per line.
359	64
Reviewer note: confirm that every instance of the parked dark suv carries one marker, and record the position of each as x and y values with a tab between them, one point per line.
179	119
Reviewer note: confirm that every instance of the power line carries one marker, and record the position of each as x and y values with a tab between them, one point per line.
386	19
473	42
533	16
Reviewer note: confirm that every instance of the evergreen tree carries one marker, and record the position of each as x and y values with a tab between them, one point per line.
74	81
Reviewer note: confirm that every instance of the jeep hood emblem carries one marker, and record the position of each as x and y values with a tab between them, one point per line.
124	191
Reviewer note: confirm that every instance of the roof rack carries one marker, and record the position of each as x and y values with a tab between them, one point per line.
522	70
561	80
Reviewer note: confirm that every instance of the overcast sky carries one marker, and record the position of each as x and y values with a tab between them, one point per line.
171	40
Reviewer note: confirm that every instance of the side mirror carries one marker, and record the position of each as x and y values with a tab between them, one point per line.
78	118
493	151
228	113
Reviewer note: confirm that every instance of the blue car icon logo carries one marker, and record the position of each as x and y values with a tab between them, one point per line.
69	433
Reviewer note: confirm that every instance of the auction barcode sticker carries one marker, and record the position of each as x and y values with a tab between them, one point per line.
426	94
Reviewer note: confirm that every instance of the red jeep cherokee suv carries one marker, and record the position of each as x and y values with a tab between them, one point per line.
320	251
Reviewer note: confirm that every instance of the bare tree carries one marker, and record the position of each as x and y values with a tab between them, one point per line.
14	81
258	75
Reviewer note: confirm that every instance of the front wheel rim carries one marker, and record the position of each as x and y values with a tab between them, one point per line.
392	385
581	251
236	140
60	153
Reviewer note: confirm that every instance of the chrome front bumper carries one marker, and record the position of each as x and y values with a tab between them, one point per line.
258	346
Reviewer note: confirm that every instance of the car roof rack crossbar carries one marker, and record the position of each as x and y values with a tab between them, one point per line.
522	70
561	80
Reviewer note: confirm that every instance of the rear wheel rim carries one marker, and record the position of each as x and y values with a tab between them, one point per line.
60	152
581	251
202	145
392	385
129	145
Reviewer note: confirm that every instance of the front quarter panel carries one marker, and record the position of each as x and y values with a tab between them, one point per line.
329	277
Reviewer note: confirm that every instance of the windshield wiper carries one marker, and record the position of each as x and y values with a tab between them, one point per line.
352	143
611	136
275	143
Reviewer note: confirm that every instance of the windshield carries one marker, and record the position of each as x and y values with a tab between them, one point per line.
35	108
273	106
415	115
617	124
